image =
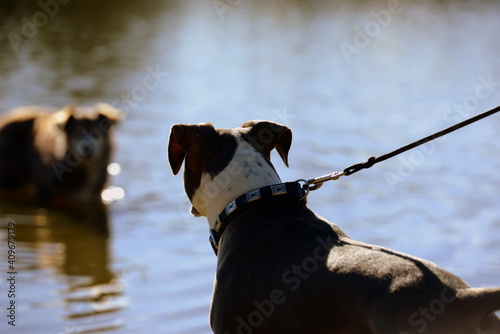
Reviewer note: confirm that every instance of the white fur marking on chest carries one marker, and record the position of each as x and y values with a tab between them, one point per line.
248	170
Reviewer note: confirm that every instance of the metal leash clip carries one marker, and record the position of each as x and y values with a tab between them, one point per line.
315	183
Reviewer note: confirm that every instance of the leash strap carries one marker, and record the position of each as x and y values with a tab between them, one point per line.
317	182
296	192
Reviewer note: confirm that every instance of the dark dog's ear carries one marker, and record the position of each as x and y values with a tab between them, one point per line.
109	112
182	137
70	123
265	136
177	147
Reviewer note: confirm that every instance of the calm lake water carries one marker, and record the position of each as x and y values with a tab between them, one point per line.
350	79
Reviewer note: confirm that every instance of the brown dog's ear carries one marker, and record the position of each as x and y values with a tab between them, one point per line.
265	136
184	138
177	147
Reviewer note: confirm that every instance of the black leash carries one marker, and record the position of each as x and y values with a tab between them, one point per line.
294	191
316	182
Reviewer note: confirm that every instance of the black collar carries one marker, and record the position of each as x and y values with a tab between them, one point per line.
291	191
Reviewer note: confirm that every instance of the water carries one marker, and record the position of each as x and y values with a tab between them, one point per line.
351	80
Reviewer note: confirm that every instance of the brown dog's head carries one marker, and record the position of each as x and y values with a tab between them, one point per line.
88	128
221	164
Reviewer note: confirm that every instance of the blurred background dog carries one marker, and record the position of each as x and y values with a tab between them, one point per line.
56	156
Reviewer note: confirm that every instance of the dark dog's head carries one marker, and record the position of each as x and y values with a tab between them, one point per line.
221	164
88	129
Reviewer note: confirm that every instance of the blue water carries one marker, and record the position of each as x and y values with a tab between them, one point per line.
350	79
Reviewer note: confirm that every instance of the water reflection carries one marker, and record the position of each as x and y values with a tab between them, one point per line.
277	60
74	245
76	40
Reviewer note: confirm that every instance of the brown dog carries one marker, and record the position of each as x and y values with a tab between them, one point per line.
283	269
48	154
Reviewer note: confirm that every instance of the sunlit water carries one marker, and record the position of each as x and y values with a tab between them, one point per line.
350	80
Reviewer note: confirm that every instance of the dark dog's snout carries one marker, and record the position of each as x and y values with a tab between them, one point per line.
85	148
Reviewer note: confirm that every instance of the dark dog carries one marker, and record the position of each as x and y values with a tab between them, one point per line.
47	154
282	269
